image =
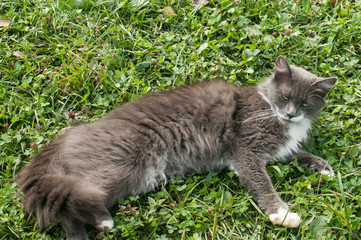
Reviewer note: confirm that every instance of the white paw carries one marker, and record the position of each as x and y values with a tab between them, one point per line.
286	218
106	224
327	172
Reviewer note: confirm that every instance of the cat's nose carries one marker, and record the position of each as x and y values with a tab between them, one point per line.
290	115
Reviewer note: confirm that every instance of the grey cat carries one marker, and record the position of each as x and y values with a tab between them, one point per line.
79	176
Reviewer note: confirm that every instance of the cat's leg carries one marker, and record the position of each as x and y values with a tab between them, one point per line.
252	173
314	162
84	205
74	230
100	218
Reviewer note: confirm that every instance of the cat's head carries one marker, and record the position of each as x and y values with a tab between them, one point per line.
295	93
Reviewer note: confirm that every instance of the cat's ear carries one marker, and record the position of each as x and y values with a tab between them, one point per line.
325	84
282	70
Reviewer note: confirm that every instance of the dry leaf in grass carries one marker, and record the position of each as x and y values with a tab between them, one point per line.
18	54
287	30
4	22
168	11
83	49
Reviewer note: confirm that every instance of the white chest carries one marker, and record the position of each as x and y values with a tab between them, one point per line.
296	134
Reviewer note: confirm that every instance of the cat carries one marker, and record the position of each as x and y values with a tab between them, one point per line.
76	178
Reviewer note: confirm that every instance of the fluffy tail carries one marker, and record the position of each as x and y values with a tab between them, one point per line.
55	197
65	199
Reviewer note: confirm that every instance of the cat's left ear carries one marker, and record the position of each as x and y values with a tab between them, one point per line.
282	72
325	84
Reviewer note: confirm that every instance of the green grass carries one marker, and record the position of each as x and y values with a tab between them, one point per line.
90	56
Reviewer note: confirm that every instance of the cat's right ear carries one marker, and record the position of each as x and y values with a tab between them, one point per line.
325	85
282	70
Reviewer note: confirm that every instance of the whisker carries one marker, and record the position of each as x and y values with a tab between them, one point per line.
261	115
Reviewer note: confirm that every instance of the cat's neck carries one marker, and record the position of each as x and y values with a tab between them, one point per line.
296	134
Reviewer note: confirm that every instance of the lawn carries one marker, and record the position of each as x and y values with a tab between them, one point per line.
67	61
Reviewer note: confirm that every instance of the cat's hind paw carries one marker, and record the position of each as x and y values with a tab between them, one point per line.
286	218
105	225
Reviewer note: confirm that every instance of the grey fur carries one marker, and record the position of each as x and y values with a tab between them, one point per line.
80	175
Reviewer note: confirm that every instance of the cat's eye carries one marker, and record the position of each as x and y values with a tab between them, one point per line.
305	105
285	98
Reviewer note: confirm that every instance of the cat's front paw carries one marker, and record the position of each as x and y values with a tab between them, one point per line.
323	167
328	172
286	218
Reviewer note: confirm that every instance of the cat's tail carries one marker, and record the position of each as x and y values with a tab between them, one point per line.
63	198
54	196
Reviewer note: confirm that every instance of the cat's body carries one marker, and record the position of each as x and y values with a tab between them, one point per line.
77	177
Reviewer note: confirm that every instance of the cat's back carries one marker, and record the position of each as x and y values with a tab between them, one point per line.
189	99
208	105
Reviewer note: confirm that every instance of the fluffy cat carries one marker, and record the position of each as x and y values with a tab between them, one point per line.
76	178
